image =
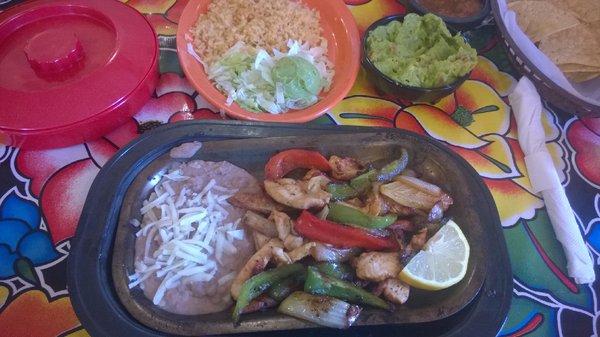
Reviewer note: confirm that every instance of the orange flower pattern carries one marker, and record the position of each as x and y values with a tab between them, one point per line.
52	317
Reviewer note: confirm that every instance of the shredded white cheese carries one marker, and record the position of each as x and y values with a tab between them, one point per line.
154	203
176	176
188	235
135	222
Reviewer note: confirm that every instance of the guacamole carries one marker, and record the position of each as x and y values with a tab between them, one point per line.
420	52
300	78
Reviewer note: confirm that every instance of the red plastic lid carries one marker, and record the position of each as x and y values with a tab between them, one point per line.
68	65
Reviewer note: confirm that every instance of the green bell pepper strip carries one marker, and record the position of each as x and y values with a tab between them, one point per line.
258	283
339	212
283	289
319	284
363	181
338	270
394	168
341	191
387	173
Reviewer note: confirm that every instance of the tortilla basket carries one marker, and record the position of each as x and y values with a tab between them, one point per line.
549	90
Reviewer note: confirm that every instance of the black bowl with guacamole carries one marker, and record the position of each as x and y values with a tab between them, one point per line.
417	58
460	14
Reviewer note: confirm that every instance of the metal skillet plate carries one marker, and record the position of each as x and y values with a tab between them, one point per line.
92	288
252	154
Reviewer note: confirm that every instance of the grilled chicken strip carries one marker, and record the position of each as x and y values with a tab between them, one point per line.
292	242
377	266
416	243
344	168
283	224
260	224
312	173
376	204
296	194
259	239
418	240
302	251
393	290
317	183
281	257
255	265
257	202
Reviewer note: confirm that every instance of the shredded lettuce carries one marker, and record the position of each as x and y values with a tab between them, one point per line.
245	75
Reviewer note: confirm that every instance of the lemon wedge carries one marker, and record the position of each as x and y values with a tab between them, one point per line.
442	262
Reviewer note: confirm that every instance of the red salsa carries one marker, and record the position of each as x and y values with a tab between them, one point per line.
453	8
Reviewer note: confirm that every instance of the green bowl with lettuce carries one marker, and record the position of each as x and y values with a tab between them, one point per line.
415	57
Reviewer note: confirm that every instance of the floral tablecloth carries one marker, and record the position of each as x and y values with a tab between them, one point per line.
42	192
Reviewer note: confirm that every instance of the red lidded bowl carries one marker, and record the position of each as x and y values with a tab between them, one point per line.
72	70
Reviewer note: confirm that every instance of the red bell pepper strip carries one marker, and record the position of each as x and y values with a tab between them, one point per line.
285	161
311	227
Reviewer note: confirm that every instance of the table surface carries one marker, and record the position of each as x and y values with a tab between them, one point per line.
42	192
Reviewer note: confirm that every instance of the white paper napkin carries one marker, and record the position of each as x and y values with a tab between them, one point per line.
527	108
